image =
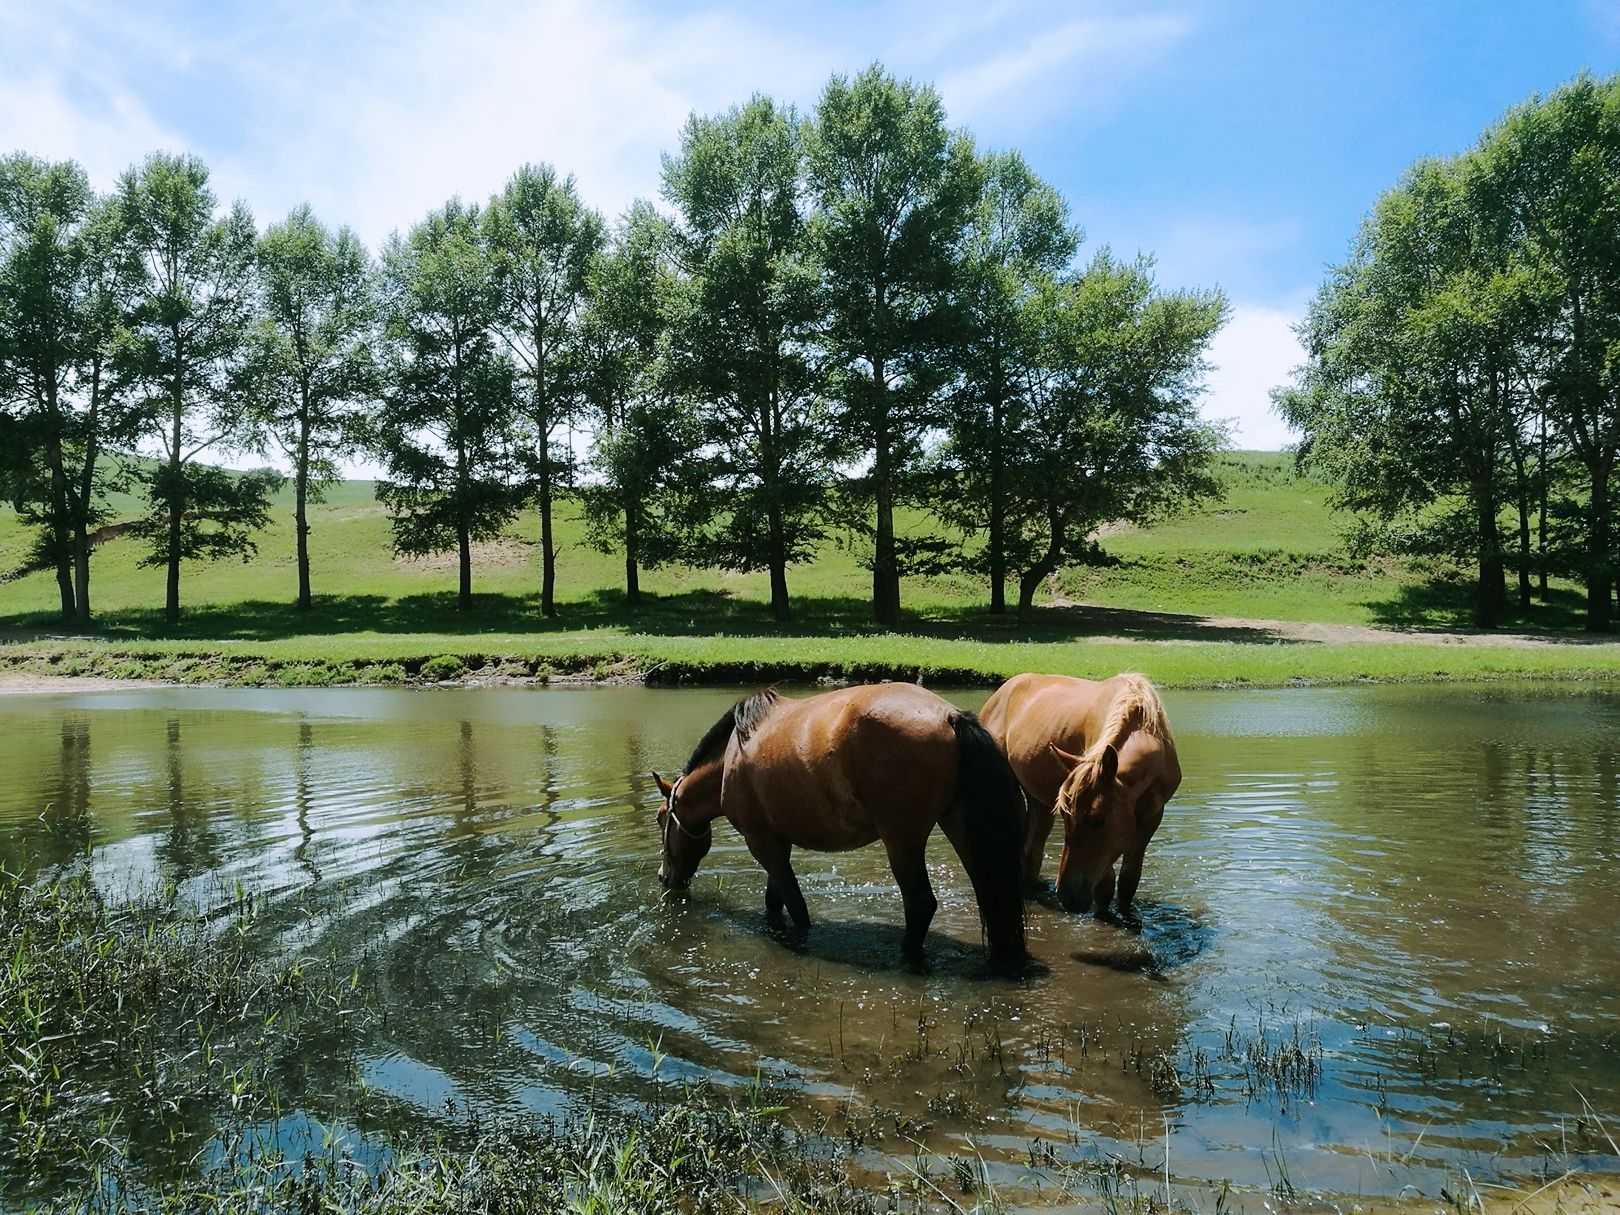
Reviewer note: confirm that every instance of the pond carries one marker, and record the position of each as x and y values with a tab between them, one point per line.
1378	941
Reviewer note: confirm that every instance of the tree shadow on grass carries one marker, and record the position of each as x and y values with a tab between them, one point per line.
692	613
1445	605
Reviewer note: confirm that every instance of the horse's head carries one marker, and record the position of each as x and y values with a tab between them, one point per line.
685	824
1099	824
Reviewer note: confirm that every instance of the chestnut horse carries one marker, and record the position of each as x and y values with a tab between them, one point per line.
840	771
1100	755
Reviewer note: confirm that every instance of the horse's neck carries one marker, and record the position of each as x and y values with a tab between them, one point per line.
700	791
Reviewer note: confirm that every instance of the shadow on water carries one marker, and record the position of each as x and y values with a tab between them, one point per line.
1154	940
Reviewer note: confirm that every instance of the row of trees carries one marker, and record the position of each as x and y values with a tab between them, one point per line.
830	317
1464	364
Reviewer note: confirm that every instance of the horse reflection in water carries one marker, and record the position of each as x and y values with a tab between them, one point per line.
846	769
1099	755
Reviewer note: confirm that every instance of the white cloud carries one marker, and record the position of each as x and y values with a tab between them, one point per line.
1256	352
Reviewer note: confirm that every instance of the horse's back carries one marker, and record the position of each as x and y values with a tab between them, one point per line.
844	768
1031	710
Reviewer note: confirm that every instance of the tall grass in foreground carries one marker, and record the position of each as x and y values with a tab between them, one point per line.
151	1059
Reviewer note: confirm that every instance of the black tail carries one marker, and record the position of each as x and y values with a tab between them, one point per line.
989	796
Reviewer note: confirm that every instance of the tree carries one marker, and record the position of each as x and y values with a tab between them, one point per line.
192	310
62	294
1553	168
744	343
1111	430
541	240
310	364
1410	395
650	488
1018	241
893	189
446	427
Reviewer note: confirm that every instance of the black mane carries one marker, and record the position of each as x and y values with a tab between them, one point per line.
740	719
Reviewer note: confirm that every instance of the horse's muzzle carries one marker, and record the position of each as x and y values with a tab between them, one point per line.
1075	897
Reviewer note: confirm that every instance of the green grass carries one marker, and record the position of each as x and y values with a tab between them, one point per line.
1269	551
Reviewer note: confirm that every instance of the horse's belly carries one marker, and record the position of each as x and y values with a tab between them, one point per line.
825	828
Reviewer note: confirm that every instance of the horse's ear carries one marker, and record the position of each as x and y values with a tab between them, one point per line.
664	786
1109	764
1070	760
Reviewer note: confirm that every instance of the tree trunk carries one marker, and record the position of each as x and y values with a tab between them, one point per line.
301	506
1031	579
1600	572
998	508
302	514
1541	525
1526	556
61	548
548	548
87	487
81	569
1488	585
781	608
1522	494
171	605
464	556
632	546
885	564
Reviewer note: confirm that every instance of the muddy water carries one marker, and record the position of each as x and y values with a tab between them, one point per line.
1379	941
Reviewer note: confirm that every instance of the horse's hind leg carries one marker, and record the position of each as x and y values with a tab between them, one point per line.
781	883
909	864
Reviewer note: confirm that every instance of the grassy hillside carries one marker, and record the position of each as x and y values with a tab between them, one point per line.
1270	550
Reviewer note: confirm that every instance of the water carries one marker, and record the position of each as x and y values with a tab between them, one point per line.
1378	944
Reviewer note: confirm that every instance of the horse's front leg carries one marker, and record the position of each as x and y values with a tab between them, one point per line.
1038	819
1148	817
781	884
908	862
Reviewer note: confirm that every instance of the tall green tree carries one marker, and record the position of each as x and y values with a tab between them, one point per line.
447	427
649	492
1018	241
745	341
893	188
192	310
310	367
1552	171
41	208
1111	429
1411	393
542	239
62	296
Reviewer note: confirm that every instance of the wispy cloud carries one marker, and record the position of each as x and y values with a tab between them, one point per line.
1074	65
1256	352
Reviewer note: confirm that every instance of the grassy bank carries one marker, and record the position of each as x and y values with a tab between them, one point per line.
600	655
1269	552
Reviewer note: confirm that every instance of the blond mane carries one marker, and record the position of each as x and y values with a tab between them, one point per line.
1136	706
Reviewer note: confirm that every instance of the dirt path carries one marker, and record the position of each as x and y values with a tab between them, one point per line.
25	683
1124	624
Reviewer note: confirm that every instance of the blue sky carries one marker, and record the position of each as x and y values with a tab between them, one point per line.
1239	141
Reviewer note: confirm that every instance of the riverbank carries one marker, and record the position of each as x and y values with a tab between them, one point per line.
592	655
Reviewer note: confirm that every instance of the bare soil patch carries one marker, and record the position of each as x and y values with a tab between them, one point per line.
1125	624
26	683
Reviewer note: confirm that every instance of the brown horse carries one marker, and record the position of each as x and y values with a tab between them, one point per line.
1099	754
840	771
